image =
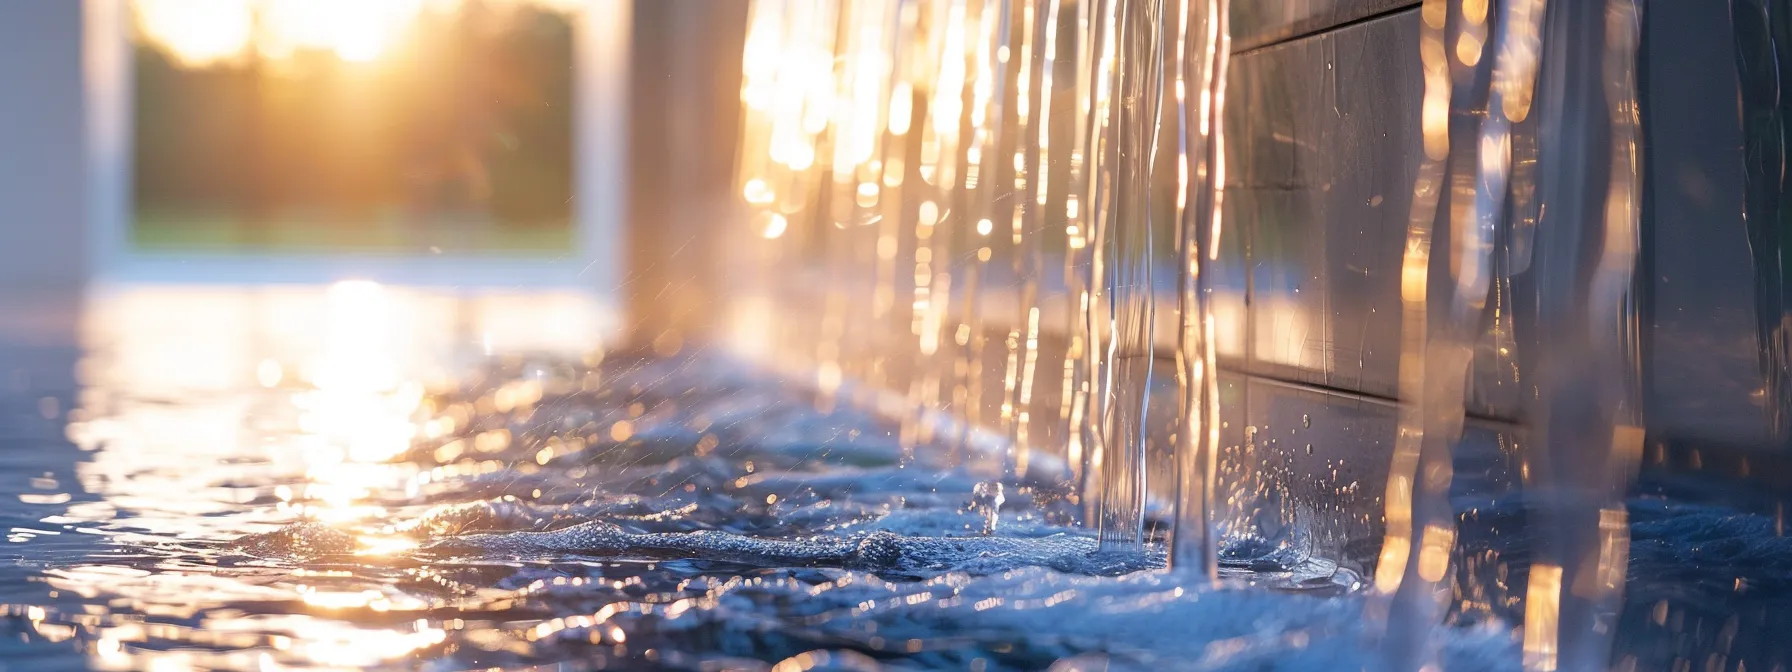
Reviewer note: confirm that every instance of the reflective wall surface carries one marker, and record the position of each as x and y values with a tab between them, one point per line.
1324	128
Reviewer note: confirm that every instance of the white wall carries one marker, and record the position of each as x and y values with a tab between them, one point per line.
43	194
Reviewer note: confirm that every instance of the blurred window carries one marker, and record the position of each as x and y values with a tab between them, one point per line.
407	126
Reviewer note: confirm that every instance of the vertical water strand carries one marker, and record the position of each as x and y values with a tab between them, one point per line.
759	72
1475	174
1763	30
1187	272
1479	172
855	127
1099	171
1126	381
900	247
1050	126
1017	167
1588	424
787	86
840	215
802	102
957	209
856	211
1003	176
974	103
1031	209
864	218
812	160
938	123
834	206
1510	111
1616	297
1204	49
1069	48
1079	262
1516	86
891	359
755	175
1400	519
980	179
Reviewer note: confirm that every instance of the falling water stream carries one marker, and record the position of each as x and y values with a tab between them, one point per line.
1588	410
988	405
1487	207
1123	227
1586	437
1203	47
989	75
974	83
1439	327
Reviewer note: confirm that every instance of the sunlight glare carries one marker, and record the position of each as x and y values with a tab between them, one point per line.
206	32
197	32
358	31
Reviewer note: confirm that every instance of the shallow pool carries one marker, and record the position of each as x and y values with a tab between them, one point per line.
689	513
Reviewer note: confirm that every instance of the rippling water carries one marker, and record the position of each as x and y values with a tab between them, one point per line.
686	512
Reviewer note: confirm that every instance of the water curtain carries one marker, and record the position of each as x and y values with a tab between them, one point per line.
980	205
1025	193
1529	177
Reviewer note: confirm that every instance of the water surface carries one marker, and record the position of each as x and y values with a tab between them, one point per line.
345	478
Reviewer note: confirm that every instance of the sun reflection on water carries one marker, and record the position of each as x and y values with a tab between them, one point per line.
258	408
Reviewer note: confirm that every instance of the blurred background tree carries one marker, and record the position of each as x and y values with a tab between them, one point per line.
449	126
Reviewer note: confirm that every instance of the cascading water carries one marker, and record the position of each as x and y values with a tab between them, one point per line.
1524	202
1762	32
1202	47
1587	411
1127	159
1438	327
1581	112
964	131
957	442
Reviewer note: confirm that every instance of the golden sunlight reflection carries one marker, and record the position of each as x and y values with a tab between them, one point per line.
1543	597
197	31
358	402
356	30
256	407
205	32
357	413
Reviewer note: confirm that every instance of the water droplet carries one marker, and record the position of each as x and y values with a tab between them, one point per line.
986	500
